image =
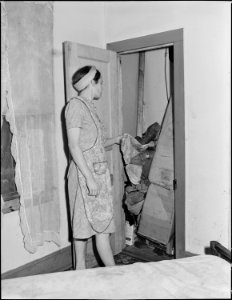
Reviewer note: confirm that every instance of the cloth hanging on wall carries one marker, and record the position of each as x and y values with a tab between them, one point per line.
28	103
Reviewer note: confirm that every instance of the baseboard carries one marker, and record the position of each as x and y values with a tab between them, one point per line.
58	261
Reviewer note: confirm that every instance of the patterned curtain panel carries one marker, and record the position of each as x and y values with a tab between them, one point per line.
28	101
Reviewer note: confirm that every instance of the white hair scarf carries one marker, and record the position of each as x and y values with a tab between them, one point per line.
85	80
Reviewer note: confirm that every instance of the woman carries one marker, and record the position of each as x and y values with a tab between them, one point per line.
89	185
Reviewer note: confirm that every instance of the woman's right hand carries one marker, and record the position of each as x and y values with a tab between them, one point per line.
92	186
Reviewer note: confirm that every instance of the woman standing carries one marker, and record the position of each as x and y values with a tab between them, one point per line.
91	202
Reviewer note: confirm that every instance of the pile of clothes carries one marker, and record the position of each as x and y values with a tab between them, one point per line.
138	153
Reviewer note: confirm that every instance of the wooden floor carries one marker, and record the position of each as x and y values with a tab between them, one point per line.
144	250
144	254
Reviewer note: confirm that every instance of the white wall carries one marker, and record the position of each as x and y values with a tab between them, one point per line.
207	97
81	22
13	253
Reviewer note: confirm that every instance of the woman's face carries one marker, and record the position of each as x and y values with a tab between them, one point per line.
98	88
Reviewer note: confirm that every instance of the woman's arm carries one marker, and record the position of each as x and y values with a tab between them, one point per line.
78	157
111	141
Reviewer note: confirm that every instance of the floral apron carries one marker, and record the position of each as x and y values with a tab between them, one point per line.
99	209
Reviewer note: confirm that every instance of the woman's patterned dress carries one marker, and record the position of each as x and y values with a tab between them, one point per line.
89	214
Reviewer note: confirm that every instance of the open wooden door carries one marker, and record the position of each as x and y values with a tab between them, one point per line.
109	110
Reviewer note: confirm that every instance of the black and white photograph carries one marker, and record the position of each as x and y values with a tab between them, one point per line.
115	150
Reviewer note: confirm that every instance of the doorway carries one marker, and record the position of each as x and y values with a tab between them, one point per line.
171	42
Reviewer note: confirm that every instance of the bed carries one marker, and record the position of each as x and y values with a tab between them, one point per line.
201	276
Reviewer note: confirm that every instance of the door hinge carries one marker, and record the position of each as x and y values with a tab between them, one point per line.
174	184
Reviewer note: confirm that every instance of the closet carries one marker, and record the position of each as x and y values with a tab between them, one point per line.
147	95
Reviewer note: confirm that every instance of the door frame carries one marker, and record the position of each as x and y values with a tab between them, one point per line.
159	40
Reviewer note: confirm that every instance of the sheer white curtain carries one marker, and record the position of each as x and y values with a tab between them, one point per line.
28	103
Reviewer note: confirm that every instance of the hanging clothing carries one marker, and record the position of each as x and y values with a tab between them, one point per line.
135	156
151	134
130	147
138	156
90	215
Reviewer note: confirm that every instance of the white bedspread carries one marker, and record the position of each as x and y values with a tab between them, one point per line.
203	276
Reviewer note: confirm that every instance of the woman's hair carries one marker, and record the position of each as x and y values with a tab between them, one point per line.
82	72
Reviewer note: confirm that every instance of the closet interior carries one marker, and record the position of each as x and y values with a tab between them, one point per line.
147	96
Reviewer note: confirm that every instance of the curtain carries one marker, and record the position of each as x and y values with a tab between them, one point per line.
28	103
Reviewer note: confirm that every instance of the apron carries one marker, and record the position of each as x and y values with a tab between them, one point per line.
99	209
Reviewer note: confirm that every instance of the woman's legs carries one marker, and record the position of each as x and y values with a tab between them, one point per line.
80	252
104	249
